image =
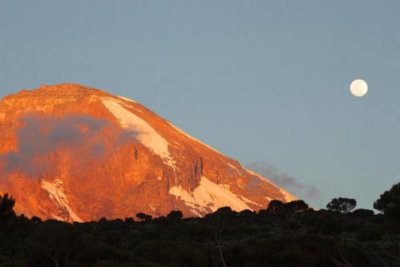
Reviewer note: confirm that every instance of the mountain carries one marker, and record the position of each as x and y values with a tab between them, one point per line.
75	153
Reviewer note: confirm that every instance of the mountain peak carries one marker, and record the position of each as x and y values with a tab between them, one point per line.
64	89
72	152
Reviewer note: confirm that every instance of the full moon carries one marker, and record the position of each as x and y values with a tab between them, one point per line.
359	88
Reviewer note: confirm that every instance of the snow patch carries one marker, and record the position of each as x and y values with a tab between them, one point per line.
209	196
127	99
145	133
57	194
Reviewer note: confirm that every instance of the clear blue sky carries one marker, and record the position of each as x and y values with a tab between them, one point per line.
258	80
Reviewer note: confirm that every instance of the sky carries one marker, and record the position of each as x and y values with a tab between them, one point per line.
261	81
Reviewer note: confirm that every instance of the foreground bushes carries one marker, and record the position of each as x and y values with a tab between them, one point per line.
288	234
283	234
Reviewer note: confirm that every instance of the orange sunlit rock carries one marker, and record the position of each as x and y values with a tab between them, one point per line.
75	153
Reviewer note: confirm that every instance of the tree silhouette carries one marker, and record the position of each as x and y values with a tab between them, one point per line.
274	206
389	202
294	236
296	206
218	221
54	243
144	217
342	205
175	215
6	207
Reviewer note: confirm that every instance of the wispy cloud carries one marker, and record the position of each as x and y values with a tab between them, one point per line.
41	139
288	182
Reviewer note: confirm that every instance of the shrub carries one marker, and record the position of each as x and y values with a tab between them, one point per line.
389	202
343	205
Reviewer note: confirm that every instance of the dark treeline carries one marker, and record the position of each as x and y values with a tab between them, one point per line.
283	234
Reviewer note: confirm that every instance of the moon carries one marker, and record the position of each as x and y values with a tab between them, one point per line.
359	88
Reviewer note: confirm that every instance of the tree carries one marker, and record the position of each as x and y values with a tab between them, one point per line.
53	243
144	217
389	202
219	219
296	206
175	215
6	207
362	213
342	205
274	206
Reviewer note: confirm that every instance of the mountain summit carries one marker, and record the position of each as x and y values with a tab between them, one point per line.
75	153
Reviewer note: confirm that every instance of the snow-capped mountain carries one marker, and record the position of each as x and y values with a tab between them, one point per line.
75	153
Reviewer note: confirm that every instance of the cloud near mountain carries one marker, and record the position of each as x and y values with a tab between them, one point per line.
291	183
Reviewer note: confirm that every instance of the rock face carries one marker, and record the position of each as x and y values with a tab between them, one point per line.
75	153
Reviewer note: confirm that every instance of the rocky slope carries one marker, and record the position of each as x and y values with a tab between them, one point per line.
75	153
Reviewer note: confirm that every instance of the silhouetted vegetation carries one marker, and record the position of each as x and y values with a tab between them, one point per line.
6	207
283	234
341	204
389	202
144	217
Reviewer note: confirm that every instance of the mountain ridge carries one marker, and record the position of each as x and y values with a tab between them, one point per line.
141	161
